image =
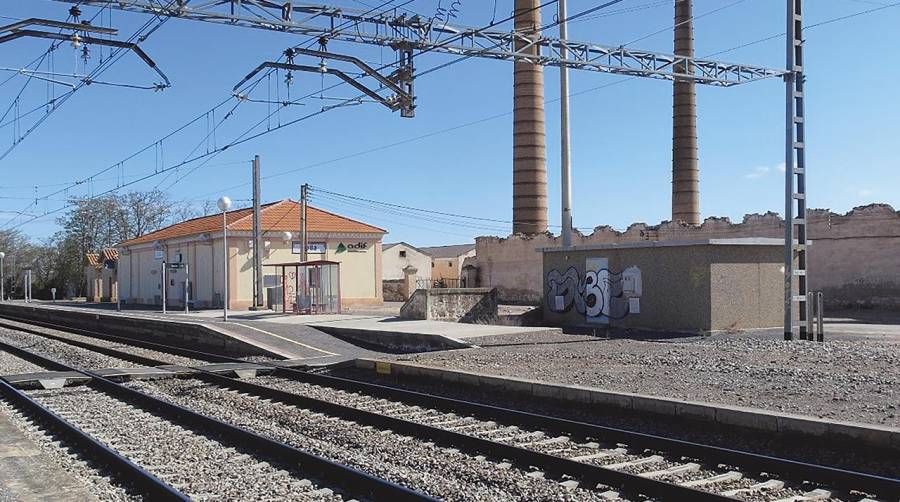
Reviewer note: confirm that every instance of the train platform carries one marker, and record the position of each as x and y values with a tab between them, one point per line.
322	339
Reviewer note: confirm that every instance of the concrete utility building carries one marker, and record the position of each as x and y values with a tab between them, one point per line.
198	243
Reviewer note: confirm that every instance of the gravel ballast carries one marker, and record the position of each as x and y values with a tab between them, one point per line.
444	473
198	466
62	352
12	365
526	437
843	379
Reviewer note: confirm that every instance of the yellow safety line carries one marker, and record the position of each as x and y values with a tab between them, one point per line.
283	338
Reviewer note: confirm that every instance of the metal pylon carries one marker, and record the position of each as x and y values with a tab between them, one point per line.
795	292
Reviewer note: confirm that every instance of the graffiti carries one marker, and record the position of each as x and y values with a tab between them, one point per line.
600	294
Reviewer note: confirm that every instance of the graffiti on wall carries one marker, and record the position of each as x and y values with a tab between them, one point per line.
600	294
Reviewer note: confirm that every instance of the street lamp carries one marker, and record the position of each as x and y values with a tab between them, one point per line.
224	203
2	285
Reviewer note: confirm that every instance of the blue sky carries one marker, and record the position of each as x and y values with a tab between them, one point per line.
620	130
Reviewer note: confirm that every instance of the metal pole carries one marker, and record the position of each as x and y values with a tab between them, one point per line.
2	282
565	177
789	175
163	279
187	293
257	238
820	301
225	268
304	194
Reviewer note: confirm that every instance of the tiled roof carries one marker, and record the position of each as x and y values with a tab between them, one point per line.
110	254
448	251
93	259
276	217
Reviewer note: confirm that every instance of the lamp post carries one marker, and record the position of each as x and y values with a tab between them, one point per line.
2	280
224	203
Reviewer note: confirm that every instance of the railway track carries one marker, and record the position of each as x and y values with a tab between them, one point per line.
579	456
163	451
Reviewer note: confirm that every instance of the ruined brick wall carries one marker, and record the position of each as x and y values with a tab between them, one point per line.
854	258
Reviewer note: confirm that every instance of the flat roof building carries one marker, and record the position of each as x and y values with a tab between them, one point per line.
198	244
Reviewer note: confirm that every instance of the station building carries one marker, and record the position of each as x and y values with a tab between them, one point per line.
198	243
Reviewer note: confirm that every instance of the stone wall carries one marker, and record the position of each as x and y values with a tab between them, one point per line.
471	305
853	258
393	290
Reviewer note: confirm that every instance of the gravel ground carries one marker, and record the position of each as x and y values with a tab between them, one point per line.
13	365
93	478
62	352
198	466
154	354
851	379
445	473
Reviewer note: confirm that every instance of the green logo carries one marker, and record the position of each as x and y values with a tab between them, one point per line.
341	248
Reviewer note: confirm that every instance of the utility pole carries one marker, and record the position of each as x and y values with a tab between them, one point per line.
304	241
257	239
565	177
795	169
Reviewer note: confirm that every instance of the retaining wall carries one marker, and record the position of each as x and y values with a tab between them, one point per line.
852	259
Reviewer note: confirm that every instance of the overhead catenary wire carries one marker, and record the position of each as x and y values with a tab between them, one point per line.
215	152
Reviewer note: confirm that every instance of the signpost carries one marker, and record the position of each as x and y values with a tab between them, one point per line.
164	284
176	266
187	275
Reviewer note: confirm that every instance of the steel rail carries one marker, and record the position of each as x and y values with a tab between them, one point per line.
346	479
885	487
125	471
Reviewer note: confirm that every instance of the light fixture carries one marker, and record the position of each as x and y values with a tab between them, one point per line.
224	203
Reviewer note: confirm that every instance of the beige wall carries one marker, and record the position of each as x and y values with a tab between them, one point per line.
102	284
140	279
852	259
394	263
449	268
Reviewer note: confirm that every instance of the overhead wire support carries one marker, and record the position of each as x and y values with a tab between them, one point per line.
421	33
15	31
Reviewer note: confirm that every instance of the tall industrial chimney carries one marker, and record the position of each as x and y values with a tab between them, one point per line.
685	162
529	130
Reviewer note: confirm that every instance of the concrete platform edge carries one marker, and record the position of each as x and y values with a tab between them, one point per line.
394	340
201	336
868	435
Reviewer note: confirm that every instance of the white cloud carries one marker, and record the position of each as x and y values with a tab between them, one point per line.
757	172
761	171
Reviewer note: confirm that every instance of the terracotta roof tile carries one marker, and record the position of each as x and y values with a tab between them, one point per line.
93	259
110	254
276	217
